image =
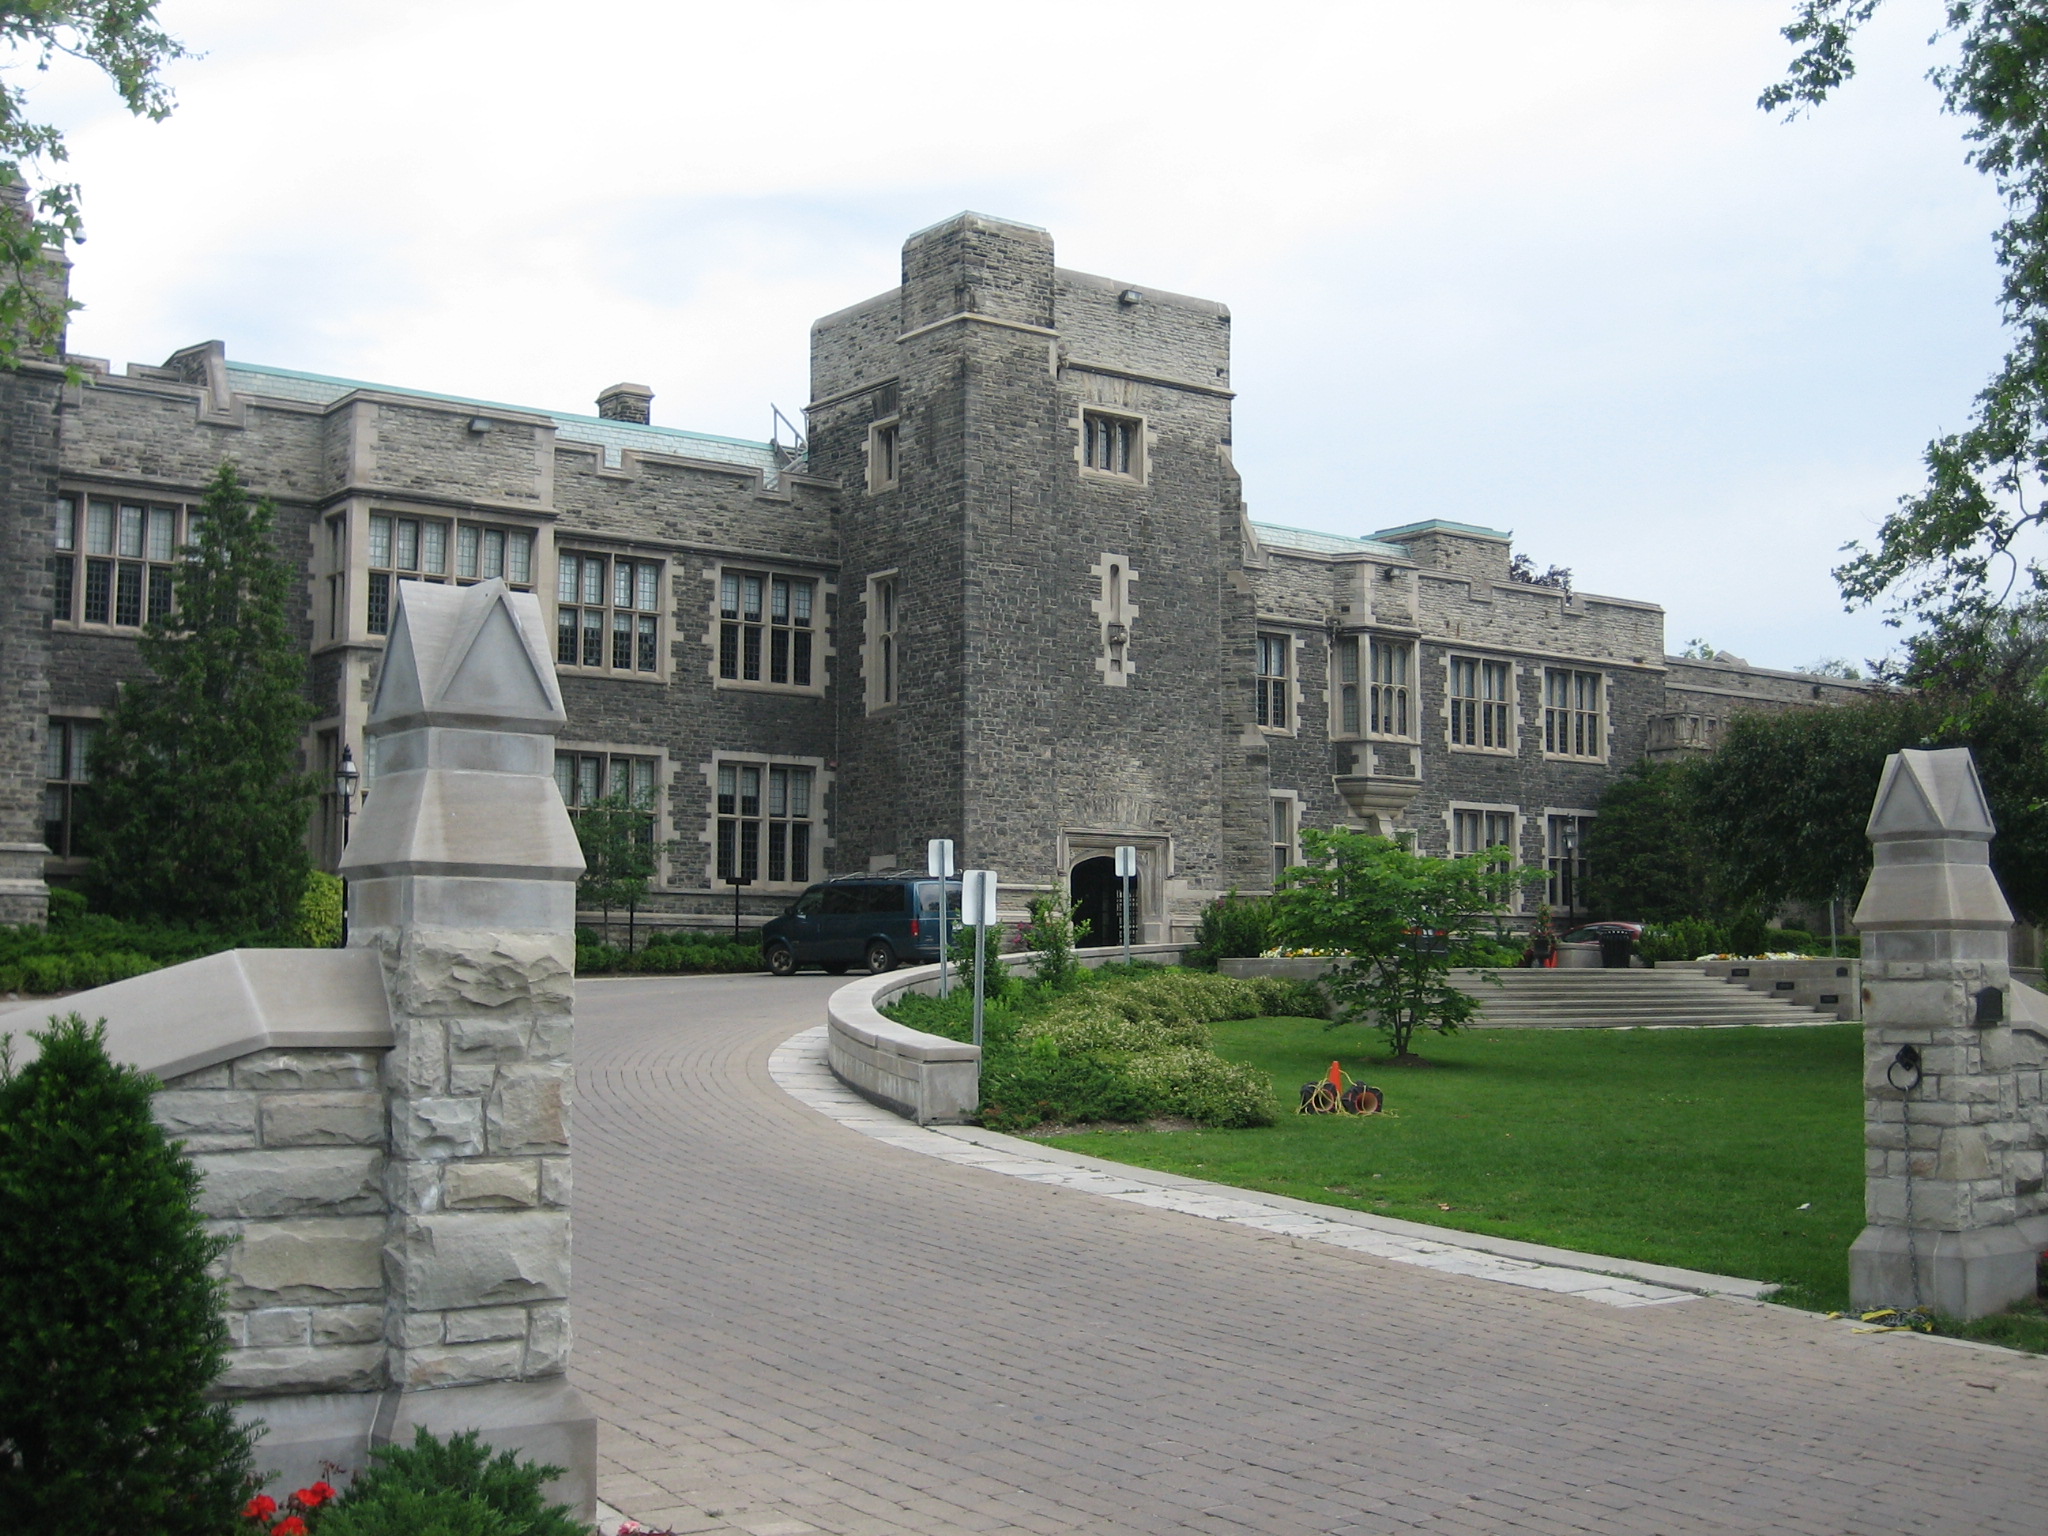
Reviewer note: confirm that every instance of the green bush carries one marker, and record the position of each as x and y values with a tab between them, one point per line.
81	948
1031	1088
1051	935
319	922
451	1488
670	955
1123	1044
1693	937
44	974
1001	982
1232	927
110	1328
1203	1087
1487	950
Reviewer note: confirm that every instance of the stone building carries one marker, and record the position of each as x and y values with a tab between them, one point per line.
1007	591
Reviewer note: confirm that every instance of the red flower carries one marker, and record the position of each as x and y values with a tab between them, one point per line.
315	1496
290	1525
262	1507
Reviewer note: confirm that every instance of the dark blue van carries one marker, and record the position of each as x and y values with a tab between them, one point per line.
879	921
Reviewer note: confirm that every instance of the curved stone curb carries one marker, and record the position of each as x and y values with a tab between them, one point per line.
925	1078
799	1068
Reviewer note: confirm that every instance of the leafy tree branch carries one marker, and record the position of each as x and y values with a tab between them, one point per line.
122	39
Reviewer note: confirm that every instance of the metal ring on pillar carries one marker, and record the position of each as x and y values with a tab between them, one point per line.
1908	1059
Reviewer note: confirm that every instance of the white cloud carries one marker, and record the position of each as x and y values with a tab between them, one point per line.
1530	262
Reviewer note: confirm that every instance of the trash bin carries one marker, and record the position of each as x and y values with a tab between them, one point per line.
1615	946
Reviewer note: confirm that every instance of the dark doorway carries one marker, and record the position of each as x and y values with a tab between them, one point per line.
1097	901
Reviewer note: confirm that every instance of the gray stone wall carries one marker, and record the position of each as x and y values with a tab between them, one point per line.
290	1148
481	1085
29	400
1005	735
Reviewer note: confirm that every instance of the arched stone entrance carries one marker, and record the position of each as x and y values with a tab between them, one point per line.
1093	886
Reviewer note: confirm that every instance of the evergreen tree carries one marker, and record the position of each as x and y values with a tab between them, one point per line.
198	808
110	1329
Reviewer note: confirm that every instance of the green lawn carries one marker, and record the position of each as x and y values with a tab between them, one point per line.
1738	1151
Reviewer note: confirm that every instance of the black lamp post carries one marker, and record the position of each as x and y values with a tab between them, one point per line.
736	883
345	778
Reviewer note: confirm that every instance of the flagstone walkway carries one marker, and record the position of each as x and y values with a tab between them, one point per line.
786	1325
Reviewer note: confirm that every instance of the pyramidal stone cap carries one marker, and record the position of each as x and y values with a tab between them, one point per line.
1930	794
474	658
464	719
1930	830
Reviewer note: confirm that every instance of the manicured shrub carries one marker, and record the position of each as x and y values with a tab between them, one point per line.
670	955
65	904
447	1488
319	922
1232	927
110	1328
1202	1086
1122	1045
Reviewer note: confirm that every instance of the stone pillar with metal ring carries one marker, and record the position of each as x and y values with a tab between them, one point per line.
1952	1163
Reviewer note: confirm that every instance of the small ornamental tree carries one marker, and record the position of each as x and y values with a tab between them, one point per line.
618	858
1052	934
110	1328
1400	915
198	808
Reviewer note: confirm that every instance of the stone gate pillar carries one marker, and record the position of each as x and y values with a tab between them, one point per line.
462	874
1947	1141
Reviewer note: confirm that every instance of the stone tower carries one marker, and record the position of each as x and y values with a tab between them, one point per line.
1047	628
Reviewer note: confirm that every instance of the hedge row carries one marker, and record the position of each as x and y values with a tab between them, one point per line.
669	955
79	949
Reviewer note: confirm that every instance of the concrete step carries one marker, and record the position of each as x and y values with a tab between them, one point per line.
1603	999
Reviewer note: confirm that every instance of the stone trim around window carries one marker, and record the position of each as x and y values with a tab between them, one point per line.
612	754
884	455
1374	688
1112	446
1115	614
363	551
881	659
66	740
1567	867
1576	729
1277	697
113	559
1284	829
610	612
819	842
776	632
1487	721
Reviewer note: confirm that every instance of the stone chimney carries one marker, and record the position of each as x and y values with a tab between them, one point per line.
1952	1165
627	402
462	875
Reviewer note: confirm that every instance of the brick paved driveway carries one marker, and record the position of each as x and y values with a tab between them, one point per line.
786	1326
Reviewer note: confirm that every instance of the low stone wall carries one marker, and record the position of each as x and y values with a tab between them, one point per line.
290	1147
1832	986
1291	967
923	1077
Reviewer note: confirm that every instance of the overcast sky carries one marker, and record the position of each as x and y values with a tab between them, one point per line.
1539	264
